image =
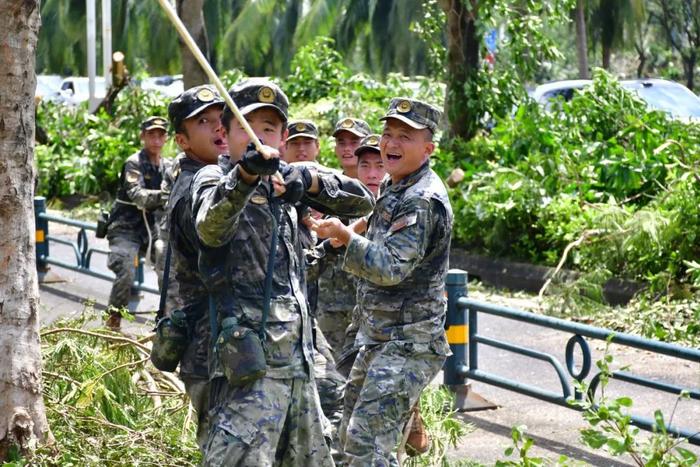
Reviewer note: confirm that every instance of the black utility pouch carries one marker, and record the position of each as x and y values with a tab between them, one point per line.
170	341
240	353
102	224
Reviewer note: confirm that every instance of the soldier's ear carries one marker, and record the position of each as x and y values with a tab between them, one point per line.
182	141
429	148
285	134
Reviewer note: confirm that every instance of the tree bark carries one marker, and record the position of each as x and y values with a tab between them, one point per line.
581	39
22	415
192	15
463	43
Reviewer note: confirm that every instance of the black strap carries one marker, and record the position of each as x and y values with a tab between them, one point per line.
165	283
267	297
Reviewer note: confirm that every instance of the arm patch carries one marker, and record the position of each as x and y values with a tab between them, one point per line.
403	222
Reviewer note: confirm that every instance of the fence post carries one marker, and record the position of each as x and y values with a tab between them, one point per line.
457	330
138	275
42	234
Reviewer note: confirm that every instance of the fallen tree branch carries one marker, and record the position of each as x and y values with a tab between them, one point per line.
152	388
584	236
121	339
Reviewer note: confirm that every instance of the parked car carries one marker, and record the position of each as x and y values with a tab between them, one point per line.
170	86
47	86
659	94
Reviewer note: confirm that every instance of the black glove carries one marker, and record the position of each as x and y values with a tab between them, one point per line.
255	164
297	179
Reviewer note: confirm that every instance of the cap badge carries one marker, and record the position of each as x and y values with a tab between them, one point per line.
266	95
404	107
205	95
158	121
347	123
300	127
372	141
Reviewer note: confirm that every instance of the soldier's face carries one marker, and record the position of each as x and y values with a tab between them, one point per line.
203	138
404	149
345	145
154	140
370	171
266	124
301	149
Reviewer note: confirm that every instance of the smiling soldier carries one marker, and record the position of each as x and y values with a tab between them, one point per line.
402	263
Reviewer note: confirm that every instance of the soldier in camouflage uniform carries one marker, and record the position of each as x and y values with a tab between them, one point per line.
402	263
302	142
132	225
336	288
276	419
196	118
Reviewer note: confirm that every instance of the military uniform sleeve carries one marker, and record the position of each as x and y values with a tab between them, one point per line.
340	196
319	258
142	197
389	260
217	203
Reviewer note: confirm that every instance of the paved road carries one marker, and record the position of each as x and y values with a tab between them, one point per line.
554	429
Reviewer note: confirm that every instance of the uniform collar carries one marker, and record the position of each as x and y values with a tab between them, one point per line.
188	163
410	179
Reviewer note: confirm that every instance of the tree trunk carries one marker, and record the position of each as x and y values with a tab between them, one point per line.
607	53
581	39
463	43
22	415
689	62
192	15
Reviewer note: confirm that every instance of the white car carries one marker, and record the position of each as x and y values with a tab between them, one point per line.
659	94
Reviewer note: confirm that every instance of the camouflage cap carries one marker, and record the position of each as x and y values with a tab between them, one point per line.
414	113
354	125
368	144
256	93
192	102
302	128
155	122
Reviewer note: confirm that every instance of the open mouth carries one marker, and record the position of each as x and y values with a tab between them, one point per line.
393	157
221	143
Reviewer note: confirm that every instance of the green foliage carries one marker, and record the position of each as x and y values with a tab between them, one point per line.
317	71
610	426
444	429
85	152
99	413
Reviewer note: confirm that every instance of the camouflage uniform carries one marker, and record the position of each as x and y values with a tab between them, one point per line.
192	294
139	192
169	177
402	264
337	288
277	419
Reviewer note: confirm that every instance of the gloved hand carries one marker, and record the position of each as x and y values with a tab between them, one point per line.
255	164
297	179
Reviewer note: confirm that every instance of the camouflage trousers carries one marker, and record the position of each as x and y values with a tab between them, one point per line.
271	422
386	380
331	387
123	252
198	391
334	325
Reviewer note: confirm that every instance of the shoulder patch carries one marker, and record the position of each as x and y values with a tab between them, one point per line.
403	222
258	199
132	176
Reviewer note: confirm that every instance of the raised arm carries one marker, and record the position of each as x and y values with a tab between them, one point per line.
336	194
217	202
